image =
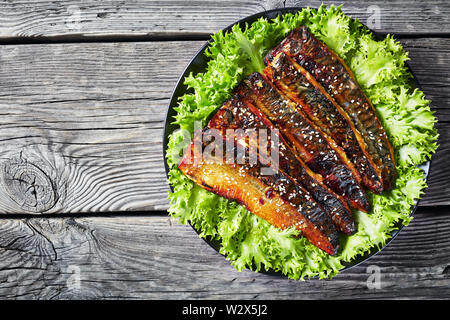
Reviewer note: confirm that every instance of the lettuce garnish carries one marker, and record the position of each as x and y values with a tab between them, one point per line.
379	65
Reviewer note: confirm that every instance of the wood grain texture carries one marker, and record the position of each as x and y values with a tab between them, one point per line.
438	191
400	17
81	133
156	258
90	117
75	21
81	124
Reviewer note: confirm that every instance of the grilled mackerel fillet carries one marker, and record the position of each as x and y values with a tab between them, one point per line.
298	84
239	114
340	85
275	198
320	153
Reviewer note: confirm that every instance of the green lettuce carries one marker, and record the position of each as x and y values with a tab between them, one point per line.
249	242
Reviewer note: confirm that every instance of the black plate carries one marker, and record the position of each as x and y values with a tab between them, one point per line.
199	64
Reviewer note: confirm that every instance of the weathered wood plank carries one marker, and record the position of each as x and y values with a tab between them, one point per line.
86	121
430	63
156	258
90	119
396	17
77	21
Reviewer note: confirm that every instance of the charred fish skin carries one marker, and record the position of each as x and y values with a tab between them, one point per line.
340	83
307	140
297	83
274	198
238	113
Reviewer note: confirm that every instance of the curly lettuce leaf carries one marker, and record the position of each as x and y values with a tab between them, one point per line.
379	65
335	29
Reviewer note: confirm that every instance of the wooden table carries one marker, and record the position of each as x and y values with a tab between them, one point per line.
84	88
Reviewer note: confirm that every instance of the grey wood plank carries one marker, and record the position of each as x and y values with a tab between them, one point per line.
432	73
400	17
78	21
156	258
86	121
430	63
438	191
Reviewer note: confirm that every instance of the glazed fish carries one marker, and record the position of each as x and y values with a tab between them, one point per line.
340	84
298	84
239	114
275	198
317	151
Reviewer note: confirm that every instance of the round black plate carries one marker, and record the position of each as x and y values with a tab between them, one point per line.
199	64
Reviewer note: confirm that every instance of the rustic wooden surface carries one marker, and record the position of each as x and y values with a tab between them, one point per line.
36	20
84	89
138	257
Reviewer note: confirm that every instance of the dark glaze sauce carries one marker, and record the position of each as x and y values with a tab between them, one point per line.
309	143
